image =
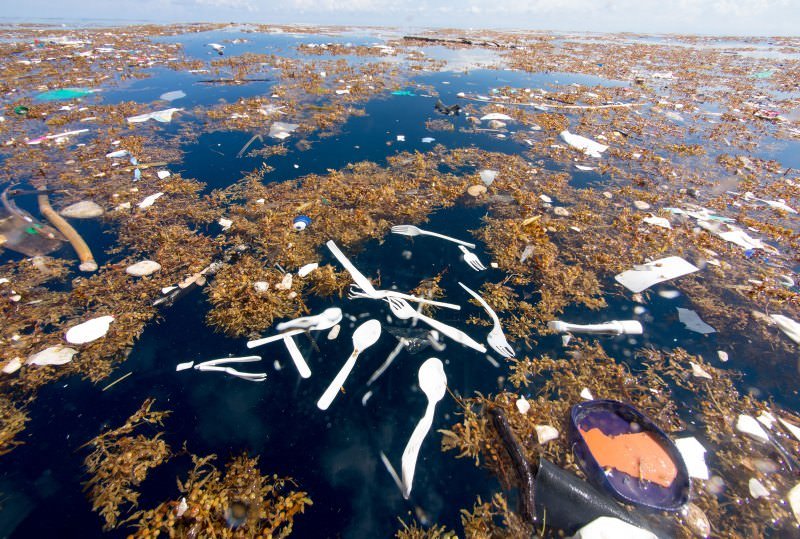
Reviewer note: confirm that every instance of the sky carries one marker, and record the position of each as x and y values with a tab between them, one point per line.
713	17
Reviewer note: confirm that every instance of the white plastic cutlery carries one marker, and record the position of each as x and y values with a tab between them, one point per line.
213	366
364	336
357	276
472	259
325	320
614	327
297	357
380	294
401	309
496	338
411	230
433	382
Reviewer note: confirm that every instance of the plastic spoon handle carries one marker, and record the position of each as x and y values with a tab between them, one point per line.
485	305
409	461
448	238
391	293
327	398
273	338
297	357
455	334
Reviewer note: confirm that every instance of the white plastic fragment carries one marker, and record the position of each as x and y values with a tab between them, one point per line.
545	433
584	168
366	397
85	209
163	116
586	394
496	116
148	201
791	428
748	425
794	501
614	327
658	221
89	331
546	199
488	176
12	366
723	356
162	174
790	327
757	489
308	268
401	138
334	332
612	528
693	454
117	153
698	372
143	268
646	275
181	509
281	130
54	355
286	282
669	294
172	96
693	322
523	405
641	205
427	140
225	223
184	366
587	146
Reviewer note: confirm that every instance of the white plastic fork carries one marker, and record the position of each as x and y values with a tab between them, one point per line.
496	338
472	259
411	230
404	311
357	292
213	366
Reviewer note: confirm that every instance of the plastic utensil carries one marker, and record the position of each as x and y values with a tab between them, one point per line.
433	382
364	336
380	294
614	327
297	357
404	311
411	230
472	259
325	320
213	366
496	338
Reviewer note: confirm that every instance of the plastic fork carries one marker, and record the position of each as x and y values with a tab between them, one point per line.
213	366
472	259
357	292
404	311
411	230
496	338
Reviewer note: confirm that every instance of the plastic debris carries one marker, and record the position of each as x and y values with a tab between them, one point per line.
748	425
488	176
184	366
224	223
757	489
85	209
143	268
693	454
89	331
282	130
427	140
643	277
214	365
793	498
301	222
12	366
698	372
791	428
172	96
476	190
523	405
614	327
308	268
64	93
162	116
586	394
658	221
54	355
612	528
217	48
790	327
496	116
693	322
722	355
162	174
148	201
545	433
587	146
117	154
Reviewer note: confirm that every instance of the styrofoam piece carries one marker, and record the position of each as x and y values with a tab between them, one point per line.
643	277
54	355
757	489
586	145
693	322
184	366
794	501
748	425
308	268
693	454
790	327
523	405
612	528
89	331
143	268
545	433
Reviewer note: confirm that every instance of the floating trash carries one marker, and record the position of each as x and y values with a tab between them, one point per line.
89	331
85	209
143	268
301	222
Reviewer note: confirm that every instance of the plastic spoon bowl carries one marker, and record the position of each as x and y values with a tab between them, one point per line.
324	321
433	382
364	336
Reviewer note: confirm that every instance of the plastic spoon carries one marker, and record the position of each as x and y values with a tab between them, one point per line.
433	383
325	320
364	336
297	357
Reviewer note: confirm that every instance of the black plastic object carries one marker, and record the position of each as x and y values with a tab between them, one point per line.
566	502
20	232
615	418
447	110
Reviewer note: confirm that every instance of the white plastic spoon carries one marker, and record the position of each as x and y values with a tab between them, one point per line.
297	357
433	383
325	320
364	336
